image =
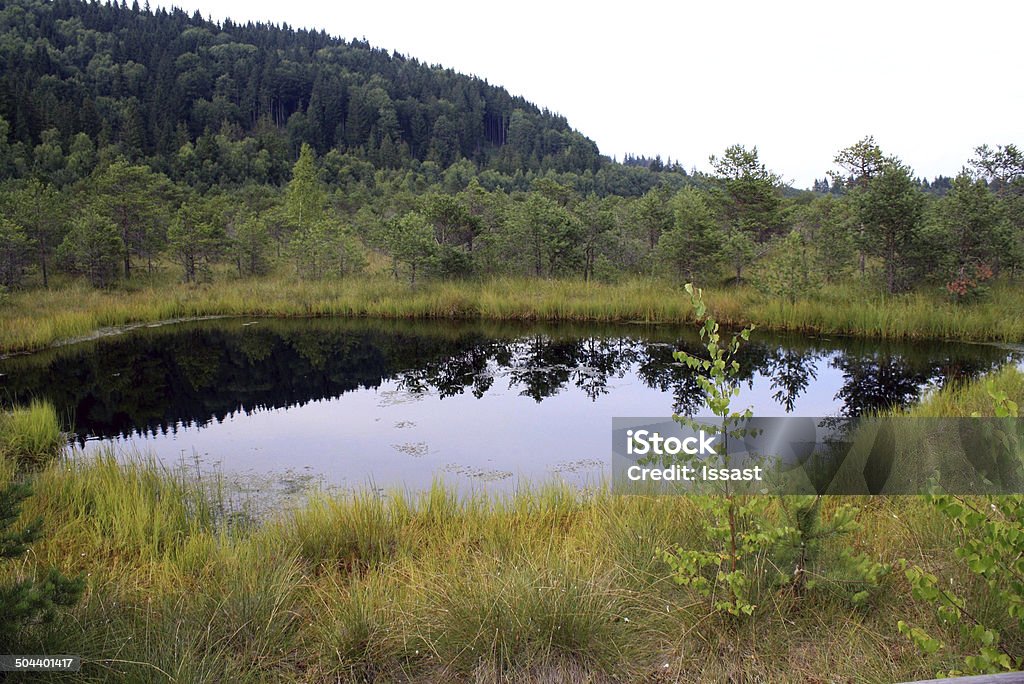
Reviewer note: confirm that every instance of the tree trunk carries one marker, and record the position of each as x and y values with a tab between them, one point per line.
890	267
862	258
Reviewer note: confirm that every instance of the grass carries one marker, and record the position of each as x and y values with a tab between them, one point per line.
963	400
550	584
30	436
38	318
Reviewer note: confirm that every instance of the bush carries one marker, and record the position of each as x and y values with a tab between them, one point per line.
969	284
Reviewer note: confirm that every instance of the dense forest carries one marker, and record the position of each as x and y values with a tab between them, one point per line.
137	142
163	86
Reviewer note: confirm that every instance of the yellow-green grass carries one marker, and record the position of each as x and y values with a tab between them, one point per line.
30	435
964	400
37	318
550	584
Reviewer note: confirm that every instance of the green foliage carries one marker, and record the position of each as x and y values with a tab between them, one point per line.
855	577
992	551
453	223
325	248
716	372
28	437
790	272
970	221
692	248
828	225
158	85
40	211
29	601
1003	406
195	239
410	241
92	248
737	528
654	214
249	246
889	207
134	199
304	198
751	204
549	235
860	162
14	253
729	574
758	543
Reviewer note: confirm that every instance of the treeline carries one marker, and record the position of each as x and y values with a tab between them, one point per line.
735	224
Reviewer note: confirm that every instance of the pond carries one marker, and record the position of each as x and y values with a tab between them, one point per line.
356	403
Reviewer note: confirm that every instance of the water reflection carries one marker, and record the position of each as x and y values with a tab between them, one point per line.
155	381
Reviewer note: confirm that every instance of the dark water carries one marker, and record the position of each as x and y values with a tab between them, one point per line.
355	402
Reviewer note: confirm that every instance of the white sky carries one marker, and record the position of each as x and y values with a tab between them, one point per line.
930	80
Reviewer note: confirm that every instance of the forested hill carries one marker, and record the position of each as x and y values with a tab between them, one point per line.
163	85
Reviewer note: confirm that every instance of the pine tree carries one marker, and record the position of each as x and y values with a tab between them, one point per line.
27	601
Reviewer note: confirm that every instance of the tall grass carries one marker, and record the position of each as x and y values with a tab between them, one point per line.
30	435
35	319
548	584
962	400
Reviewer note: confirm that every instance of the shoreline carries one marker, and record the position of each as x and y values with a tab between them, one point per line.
39	319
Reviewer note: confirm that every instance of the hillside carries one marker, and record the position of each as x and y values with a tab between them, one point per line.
162	86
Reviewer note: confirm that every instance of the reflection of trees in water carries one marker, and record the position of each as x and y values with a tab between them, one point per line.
791	373
659	370
155	380
542	366
451	375
539	367
876	384
601	359
885	380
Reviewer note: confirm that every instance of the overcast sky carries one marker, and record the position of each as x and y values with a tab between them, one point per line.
800	80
